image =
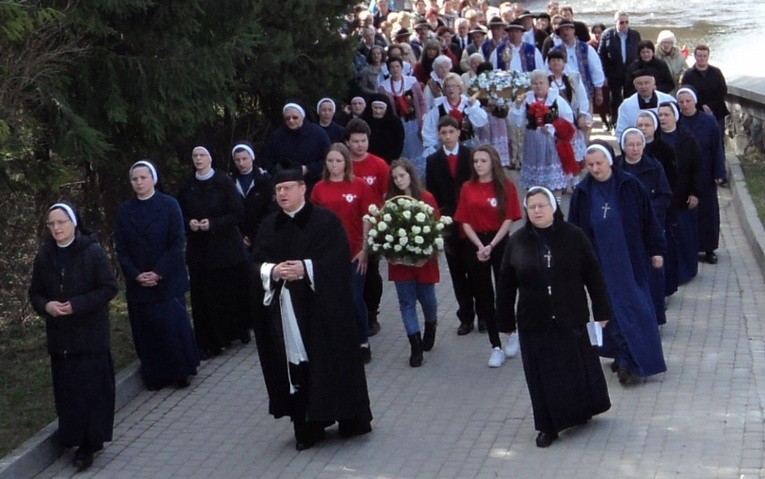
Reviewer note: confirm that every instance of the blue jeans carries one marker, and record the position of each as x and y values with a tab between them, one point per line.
409	292
359	304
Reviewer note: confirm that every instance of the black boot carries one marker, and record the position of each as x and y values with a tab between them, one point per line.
429	338
415	340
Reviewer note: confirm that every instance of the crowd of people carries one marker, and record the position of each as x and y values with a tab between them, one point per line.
279	245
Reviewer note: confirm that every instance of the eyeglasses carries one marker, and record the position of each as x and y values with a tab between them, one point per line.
52	224
537	206
624	22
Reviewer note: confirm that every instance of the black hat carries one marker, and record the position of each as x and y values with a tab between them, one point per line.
421	24
643	72
288	171
563	24
515	25
496	22
526	14
544	15
403	32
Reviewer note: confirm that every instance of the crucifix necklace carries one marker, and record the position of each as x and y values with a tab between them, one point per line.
605	209
548	257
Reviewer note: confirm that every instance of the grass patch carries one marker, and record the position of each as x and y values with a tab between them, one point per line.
753	165
26	394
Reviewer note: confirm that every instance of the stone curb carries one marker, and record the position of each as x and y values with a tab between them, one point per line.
746	211
42	449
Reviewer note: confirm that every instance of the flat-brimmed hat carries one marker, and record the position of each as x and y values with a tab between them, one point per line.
403	33
422	24
564	24
477	30
526	14
515	25
496	22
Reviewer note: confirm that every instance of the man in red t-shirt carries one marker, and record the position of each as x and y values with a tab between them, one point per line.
374	171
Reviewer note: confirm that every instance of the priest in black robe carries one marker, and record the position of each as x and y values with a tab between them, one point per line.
308	340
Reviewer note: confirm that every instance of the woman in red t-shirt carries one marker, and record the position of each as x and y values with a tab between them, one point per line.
349	198
414	283
487	207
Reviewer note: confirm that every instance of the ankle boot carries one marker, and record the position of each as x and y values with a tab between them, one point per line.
415	341
429	338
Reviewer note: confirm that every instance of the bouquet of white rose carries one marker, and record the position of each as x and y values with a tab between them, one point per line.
405	230
500	87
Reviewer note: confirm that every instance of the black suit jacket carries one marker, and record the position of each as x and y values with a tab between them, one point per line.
439	180
610	52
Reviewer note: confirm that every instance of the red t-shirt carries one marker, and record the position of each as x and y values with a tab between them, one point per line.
348	200
477	206
427	273
374	171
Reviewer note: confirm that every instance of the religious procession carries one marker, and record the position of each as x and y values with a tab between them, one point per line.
462	119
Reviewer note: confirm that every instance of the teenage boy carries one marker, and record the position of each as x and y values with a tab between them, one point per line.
374	171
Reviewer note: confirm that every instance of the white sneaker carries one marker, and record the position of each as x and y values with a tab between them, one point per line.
512	348
497	358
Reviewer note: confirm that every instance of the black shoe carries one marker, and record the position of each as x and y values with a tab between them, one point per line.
366	354
83	459
374	328
464	329
183	383
415	358
353	427
710	257
307	434
429	337
625	376
544	439
614	366
481	326
245	337
206	354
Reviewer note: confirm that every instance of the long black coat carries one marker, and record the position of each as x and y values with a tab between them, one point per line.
711	89
574	267
690	174
337	387
88	283
217	200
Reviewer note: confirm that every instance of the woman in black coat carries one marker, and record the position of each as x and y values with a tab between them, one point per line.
215	256
72	283
647	61
149	239
387	138
548	264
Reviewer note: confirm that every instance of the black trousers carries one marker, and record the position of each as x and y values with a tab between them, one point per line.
482	287
373	288
455	257
617	96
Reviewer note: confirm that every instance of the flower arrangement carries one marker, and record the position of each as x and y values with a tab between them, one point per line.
405	230
498	86
539	111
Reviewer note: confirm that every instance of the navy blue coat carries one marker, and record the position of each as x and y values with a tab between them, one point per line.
641	227
149	236
305	146
651	174
87	282
258	201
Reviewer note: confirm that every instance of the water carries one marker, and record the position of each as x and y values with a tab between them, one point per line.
733	29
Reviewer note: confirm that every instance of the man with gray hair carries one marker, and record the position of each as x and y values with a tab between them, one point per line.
618	48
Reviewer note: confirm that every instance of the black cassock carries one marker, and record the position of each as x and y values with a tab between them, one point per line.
334	377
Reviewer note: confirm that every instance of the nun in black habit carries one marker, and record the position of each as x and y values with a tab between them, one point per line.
308	339
548	263
387	138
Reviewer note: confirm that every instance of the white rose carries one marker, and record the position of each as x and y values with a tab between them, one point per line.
403	240
397	248
407	214
416	229
371	219
389	238
439	226
439	242
381	226
426	229
419	239
401	232
428	251
401	201
387	217
420	217
417	250
375	248
374	210
386	246
447	220
373	233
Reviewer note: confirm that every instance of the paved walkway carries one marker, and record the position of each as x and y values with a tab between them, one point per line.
455	417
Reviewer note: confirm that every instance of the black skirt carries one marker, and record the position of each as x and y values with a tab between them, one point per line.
83	387
564	377
164	341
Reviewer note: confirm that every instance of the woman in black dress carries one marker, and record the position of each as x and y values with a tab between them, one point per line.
548	263
149	239
218	270
72	284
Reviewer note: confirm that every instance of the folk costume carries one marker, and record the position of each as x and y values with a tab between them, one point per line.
407	98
